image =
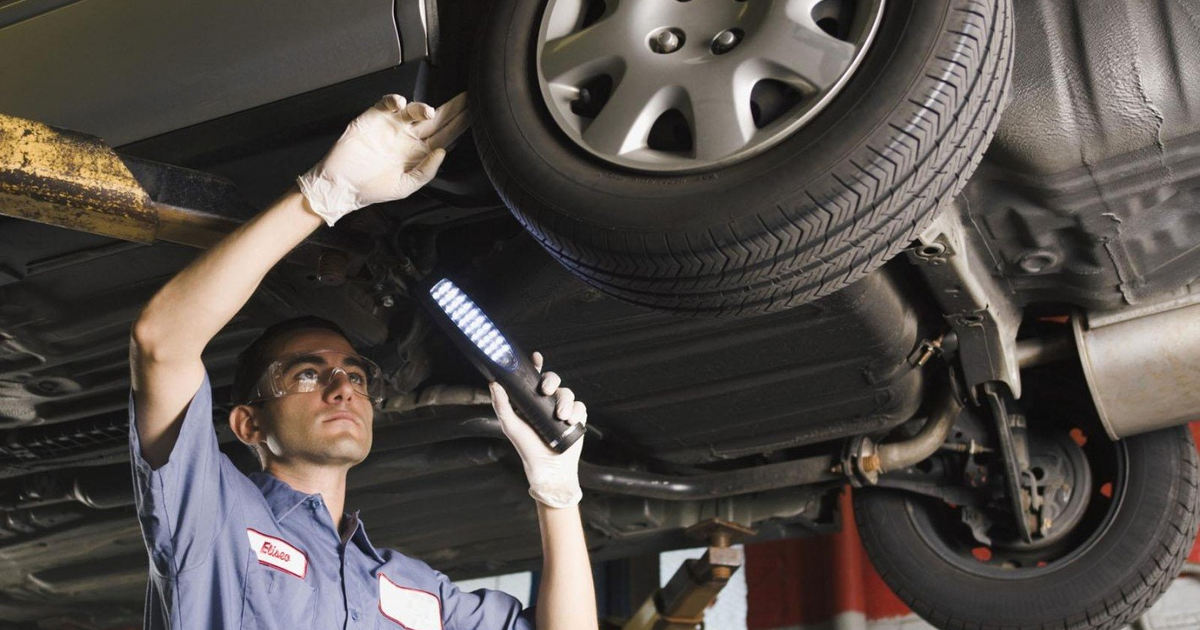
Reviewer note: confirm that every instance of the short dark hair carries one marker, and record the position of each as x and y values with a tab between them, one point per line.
253	361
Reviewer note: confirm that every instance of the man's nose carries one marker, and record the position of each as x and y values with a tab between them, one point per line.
339	387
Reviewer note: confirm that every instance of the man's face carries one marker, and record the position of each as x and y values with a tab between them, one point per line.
330	426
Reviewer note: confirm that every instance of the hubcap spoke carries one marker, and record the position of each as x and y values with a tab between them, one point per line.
581	55
721	119
799	49
624	123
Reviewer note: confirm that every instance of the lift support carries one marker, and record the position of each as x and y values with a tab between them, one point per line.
680	605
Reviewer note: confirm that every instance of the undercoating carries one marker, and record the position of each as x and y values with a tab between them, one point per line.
1088	195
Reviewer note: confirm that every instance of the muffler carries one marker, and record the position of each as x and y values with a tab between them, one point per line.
1143	366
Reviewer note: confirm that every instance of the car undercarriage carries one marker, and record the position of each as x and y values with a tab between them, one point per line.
1028	356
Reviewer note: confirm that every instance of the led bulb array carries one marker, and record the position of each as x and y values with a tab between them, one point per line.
473	323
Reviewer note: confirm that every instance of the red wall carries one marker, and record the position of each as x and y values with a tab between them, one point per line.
810	580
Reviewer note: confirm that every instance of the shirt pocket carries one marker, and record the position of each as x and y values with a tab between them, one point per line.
276	600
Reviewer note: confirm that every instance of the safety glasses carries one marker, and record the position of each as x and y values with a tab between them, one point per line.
315	371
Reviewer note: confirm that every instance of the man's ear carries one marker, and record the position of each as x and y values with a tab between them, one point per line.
244	422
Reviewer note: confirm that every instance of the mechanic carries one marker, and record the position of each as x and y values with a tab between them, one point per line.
274	549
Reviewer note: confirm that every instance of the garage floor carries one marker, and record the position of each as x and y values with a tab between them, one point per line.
1179	609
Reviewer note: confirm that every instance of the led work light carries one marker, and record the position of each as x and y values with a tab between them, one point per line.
501	361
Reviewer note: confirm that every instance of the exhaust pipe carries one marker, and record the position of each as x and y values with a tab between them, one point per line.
864	459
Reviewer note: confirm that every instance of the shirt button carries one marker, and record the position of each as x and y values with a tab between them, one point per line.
354	615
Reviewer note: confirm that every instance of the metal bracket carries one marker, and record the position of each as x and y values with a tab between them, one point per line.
1016	460
983	316
958	495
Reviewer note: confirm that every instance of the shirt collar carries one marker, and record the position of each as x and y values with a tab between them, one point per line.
359	537
281	497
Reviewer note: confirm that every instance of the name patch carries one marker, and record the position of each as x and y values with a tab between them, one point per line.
409	607
277	554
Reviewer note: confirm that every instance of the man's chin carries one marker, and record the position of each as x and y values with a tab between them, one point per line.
344	451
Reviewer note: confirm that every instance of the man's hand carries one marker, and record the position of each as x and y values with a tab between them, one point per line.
385	154
553	477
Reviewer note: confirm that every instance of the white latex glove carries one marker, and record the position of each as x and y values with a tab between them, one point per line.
553	477
385	154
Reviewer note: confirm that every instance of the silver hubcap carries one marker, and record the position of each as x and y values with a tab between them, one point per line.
679	85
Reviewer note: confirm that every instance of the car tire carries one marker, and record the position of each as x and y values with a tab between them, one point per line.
805	217
1108	580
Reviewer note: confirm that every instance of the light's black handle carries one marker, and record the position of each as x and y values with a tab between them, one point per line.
533	406
521	383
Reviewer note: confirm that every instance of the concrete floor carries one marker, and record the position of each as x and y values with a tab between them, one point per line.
1179	609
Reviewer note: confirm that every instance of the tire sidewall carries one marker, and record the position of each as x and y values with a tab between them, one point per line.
565	181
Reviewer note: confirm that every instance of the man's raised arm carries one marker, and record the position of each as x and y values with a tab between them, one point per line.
385	154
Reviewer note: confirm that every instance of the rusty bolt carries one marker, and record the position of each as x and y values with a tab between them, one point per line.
331	268
872	463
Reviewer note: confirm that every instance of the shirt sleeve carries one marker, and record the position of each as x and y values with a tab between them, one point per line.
184	504
484	609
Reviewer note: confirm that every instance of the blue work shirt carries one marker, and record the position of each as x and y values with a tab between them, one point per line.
229	550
